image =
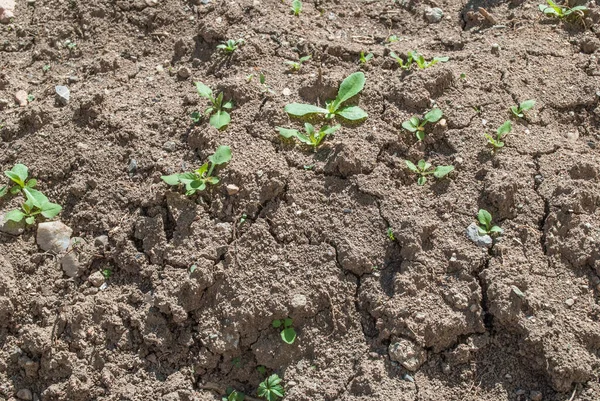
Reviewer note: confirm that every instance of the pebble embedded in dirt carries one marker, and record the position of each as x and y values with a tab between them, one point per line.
536	396
572	136
184	72
151	3
7	8
495	48
21	98
101	241
53	236
484	241
286	92
434	15
170	146
70	264
63	94
96	279
299	301
25	394
408	354
232	189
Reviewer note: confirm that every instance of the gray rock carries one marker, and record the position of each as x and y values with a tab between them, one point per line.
70	264
299	301
495	48
169	146
101	242
53	236
434	15
96	279
25	394
484	241
408	354
184	72
11	227
63	94
232	189
132	167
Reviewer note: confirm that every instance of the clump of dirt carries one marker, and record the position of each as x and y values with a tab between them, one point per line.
389	297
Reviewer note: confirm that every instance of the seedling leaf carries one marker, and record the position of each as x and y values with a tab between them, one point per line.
484	217
50	210
433	115
301	109
411	166
442	171
504	129
527	105
349	87
288	335
14	215
221	156
204	90
352	113
220	119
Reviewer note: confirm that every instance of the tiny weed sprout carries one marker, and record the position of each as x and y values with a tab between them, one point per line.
422	64
392	39
18	175
423	169
230	46
521	107
501	132
365	58
271	389
198	179
296	65
405	65
46	68
350	87
261	370
485	224
312	137
264	88
30	98
562	12
288	334
390	234
233	395
219	118
106	273
417	125
36	204
296	7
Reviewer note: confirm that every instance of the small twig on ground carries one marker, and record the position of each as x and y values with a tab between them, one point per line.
332	314
574	392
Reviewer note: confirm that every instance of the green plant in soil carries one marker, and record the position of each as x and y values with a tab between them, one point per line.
271	389
485	224
365	58
498	141
390	234
36	204
197	180
405	65
312	137
233	395
423	169
219	118
296	7
562	12
230	45
106	273
288	334
422	63
417	125
296	65
350	87
18	175
521	107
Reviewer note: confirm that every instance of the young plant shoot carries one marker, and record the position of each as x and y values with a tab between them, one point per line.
296	7
233	395
296	65
230	46
501	132
36	204
422	64
365	58
197	180
423	169
563	12
312	137
271	389
288	334
219	118
405	65
350	87
417	125
521	107
18	175
485	224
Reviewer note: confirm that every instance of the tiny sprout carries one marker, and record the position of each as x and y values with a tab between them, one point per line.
288	334
562	12
230	46
46	68
219	118
296	65
106	273
392	39
405	65
417	125
30	98
243	218
36	204
364	59
18	174
485	224
390	235
271	388
521	107
312	137
296	7
261	370
199	178
233	395
463	75
423	169
71	45
501	132
422	64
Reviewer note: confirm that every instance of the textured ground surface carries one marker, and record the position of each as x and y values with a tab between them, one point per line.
516	322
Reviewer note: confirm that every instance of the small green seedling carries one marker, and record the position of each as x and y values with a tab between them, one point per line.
261	370
422	64
563	12
390	234
230	46
288	334
71	46
106	273
423	169
296	7
233	395
36	204
405	65
271	389
264	88
417	125
296	65
392	39
501	132
46	68
312	137
219	118
30	98
198	179
365	58
18	174
521	107
485	224
350	87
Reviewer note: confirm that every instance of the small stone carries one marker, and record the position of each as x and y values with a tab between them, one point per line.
299	301
286	92
331	16
434	15
25	394
570	302
572	136
7	7
53	236
184	72
196	62
132	167
535	396
408	354
96	279
101	242
443	123
21	98
484	241
151	3
160	68
70	264
408	377
495	48
72	79
11	227
63	94
3	103
517	291
169	146
232	189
